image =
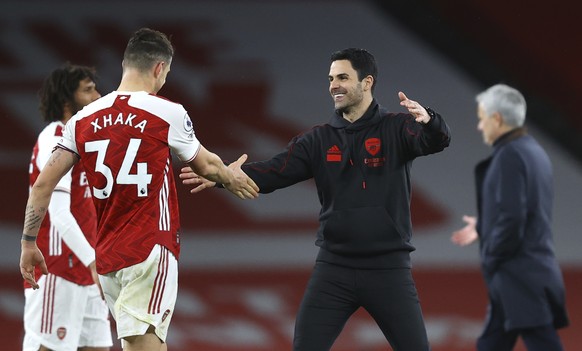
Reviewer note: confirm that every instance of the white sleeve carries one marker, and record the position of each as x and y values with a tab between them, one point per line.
182	139
61	216
47	143
67	141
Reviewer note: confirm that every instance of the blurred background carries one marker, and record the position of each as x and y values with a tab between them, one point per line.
252	74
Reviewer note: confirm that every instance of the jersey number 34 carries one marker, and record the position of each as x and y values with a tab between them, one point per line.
141	178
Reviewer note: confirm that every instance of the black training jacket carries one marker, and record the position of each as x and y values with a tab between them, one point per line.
362	174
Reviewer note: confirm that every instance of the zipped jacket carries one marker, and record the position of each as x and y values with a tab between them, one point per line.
362	174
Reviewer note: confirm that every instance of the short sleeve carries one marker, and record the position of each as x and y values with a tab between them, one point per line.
47	143
182	139
67	141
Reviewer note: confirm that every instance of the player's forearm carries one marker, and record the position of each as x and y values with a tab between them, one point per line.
218	173
211	167
36	209
56	167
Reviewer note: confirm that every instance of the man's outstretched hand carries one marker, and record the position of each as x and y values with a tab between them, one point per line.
248	190
416	109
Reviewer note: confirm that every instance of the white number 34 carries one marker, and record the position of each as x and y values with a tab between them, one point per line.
141	178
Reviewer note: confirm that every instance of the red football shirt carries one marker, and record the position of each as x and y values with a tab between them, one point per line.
124	141
60	259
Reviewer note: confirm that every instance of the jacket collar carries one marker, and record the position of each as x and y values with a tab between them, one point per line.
371	116
509	136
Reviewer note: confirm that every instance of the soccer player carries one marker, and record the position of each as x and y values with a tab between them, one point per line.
67	312
124	142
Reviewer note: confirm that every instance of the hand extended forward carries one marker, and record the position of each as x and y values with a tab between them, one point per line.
242	186
466	235
420	114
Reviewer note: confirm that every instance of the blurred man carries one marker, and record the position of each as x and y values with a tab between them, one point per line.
514	201
67	312
124	142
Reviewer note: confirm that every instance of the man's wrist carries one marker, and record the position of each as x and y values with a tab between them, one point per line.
26	237
431	114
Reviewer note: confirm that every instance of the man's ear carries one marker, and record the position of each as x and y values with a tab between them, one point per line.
498	118
159	68
368	82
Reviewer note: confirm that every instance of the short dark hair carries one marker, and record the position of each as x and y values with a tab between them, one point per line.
59	88
362	61
147	47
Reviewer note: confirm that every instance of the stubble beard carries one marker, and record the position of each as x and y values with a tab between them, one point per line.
343	110
345	107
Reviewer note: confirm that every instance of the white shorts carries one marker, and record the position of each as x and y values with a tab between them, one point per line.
63	316
144	294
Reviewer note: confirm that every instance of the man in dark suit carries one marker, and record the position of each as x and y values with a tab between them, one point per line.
514	202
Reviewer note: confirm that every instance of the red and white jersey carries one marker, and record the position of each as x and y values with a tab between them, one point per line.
124	141
60	259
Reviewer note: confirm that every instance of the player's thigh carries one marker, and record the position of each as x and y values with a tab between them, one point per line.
144	294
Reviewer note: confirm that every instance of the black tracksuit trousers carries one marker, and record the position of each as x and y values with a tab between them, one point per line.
335	292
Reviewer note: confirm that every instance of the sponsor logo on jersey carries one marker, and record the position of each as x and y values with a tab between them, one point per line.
375	161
